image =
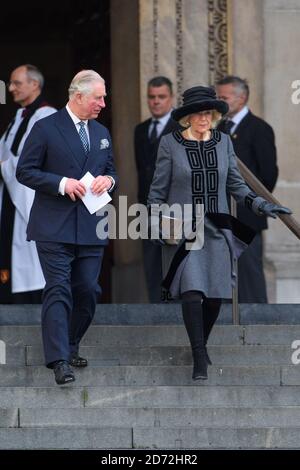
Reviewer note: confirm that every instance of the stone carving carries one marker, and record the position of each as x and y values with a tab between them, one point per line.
217	39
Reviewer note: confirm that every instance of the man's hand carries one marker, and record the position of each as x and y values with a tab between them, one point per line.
75	189
101	184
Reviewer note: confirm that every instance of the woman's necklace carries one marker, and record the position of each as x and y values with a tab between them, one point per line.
191	136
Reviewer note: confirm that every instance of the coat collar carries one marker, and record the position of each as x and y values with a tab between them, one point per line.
70	135
242	125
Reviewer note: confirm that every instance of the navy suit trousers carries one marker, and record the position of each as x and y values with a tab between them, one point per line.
70	295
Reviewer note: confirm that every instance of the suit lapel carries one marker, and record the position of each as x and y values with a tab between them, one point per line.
144	139
69	133
146	132
169	127
241	126
94	138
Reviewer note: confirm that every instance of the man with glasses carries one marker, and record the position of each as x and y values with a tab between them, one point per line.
21	278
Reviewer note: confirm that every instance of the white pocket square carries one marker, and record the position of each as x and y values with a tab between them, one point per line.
104	143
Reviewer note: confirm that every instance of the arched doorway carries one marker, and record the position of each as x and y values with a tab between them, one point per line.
61	38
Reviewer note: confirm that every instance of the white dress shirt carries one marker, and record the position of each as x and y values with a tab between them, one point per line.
76	121
161	124
238	118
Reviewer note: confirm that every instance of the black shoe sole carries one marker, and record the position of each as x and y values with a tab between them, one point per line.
77	364
200	377
66	380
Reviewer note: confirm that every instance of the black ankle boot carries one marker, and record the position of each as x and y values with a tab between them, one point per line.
208	360
193	320
200	364
211	309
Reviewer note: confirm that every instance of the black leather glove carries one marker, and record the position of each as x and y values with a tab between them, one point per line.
272	210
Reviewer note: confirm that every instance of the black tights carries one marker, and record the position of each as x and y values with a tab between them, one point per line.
199	314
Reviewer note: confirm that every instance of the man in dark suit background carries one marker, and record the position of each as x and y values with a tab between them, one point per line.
146	141
254	143
58	152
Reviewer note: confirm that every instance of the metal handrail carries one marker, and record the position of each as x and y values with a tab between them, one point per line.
288	220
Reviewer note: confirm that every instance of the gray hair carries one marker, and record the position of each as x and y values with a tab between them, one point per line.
33	73
216	117
240	84
82	82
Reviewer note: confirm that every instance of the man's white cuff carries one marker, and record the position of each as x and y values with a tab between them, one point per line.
62	185
112	182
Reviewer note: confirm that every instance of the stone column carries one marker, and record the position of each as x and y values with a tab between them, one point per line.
281	50
174	43
127	278
247	51
262	33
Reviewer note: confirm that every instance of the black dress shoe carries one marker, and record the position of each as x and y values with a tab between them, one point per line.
77	361
63	373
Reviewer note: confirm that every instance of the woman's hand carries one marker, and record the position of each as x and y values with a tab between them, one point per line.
272	210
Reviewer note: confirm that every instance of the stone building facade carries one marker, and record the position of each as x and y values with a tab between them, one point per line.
195	42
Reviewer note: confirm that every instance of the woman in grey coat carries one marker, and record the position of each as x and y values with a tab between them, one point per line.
196	169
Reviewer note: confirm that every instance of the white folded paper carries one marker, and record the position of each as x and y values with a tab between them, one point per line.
93	202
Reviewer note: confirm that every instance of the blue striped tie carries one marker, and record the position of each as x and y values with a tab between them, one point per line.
84	138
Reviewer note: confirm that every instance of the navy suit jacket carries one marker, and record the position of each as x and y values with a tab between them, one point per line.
52	150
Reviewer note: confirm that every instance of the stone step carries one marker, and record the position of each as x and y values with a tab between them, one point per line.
149	438
9	417
137	336
211	438
156	417
153	375
160	335
271	334
66	438
154	314
162	355
38	397
151	396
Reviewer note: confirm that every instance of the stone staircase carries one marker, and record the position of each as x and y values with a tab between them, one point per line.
138	392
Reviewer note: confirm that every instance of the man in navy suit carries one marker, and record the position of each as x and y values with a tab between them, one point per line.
58	152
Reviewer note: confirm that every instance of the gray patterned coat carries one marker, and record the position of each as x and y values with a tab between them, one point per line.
192	172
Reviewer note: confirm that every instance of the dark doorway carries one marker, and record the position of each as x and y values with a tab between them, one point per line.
60	37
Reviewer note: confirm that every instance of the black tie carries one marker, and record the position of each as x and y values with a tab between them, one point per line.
226	126
153	135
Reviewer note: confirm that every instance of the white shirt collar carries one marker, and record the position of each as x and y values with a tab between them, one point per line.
164	119
74	118
240	115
